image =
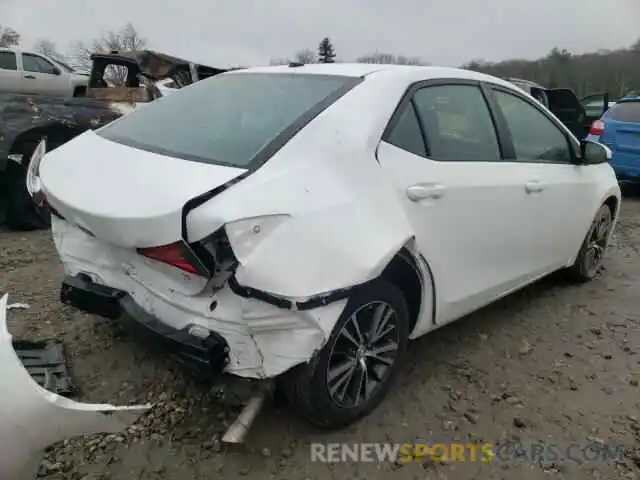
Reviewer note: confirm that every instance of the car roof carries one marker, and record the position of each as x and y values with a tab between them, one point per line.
408	73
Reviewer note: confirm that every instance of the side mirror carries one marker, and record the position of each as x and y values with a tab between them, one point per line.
56	71
592	153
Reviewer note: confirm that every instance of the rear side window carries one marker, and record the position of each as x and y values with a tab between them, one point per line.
625	112
8	61
406	133
229	119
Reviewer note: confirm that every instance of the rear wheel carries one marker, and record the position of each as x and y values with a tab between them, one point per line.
589	259
357	366
22	212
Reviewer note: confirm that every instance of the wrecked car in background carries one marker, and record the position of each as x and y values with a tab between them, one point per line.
26	119
287	237
34	418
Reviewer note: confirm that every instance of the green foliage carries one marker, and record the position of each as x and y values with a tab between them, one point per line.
326	52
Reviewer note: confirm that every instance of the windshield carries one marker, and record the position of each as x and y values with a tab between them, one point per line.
229	119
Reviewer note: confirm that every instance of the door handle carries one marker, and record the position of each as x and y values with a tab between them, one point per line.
422	191
30	77
534	186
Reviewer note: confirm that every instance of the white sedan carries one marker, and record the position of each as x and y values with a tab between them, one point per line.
304	222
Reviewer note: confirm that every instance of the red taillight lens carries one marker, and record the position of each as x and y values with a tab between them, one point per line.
172	254
597	128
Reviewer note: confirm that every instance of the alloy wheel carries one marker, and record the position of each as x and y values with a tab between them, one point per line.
363	355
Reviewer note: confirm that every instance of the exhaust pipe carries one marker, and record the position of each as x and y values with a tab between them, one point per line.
238	430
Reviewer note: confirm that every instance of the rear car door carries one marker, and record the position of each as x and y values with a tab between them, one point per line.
10	75
469	209
42	76
563	187
622	135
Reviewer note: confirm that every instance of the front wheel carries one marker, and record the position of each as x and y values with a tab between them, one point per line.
589	259
357	366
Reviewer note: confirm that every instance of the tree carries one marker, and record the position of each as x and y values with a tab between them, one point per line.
326	52
388	58
46	47
305	56
125	39
9	37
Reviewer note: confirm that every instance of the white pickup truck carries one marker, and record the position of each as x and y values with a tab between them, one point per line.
34	73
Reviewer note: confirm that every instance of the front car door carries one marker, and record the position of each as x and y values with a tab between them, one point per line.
42	76
10	75
548	151
470	210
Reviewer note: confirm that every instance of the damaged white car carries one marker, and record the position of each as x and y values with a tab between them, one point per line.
304	222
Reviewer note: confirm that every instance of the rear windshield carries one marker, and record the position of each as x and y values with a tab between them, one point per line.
625	111
229	119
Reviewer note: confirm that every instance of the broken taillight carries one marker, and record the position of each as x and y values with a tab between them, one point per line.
174	254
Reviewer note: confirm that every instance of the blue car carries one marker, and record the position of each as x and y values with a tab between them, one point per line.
619	129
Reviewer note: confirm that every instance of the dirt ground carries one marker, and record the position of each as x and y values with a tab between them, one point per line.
553	363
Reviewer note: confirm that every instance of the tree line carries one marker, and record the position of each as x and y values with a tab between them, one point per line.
614	71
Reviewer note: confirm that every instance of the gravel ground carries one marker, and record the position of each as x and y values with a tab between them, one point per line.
553	363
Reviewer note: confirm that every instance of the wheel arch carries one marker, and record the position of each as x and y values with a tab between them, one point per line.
613	203
412	275
57	133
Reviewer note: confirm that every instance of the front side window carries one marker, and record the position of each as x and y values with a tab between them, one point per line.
535	137
37	64
228	119
457	123
8	61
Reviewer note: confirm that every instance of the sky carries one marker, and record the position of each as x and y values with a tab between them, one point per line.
251	32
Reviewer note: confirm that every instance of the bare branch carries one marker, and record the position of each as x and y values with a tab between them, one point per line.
45	47
125	39
9	37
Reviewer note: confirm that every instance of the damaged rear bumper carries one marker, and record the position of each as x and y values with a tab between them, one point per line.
197	348
34	418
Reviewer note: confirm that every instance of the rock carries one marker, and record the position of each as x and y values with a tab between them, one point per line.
266	452
608	390
519	422
244	471
449	426
286	453
471	417
512	400
525	348
633	382
596	331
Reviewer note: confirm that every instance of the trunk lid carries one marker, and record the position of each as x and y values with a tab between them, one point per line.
123	195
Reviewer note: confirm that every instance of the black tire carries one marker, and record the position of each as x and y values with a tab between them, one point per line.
22	212
307	388
589	259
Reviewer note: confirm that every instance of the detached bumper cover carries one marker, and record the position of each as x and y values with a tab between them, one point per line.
204	351
34	418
